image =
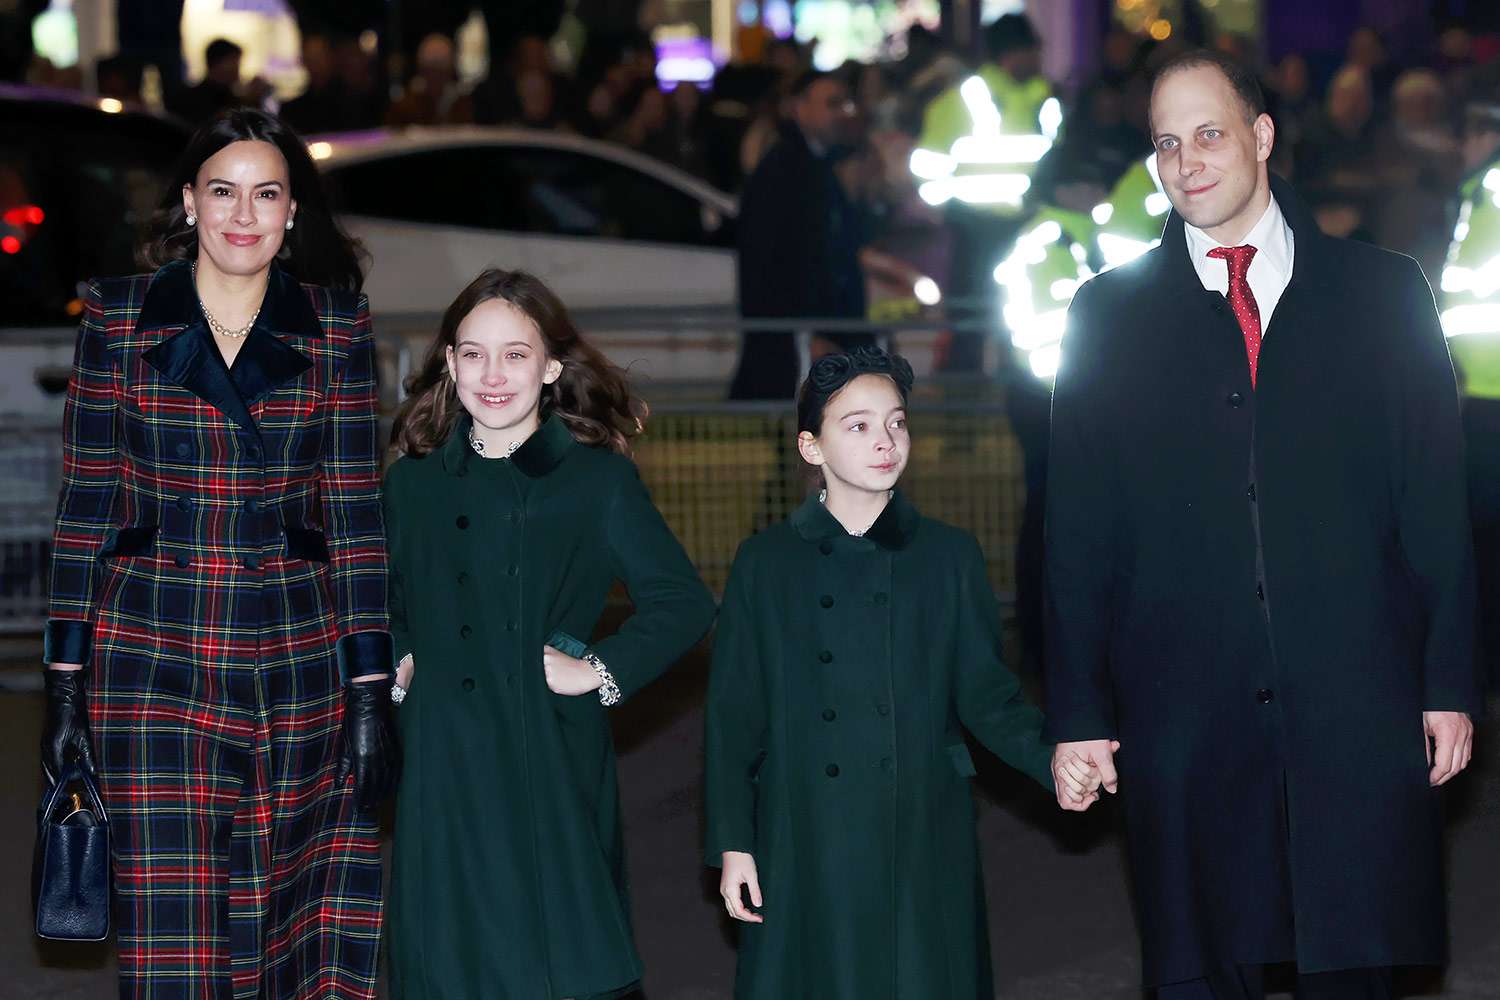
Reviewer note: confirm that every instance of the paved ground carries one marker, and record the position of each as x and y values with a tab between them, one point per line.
1042	869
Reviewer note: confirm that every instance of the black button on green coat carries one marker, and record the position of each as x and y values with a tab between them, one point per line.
508	876
862	828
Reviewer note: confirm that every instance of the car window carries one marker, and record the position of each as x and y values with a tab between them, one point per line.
573	194
526	189
76	199
446	187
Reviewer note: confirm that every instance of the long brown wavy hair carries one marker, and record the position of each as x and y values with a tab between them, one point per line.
592	396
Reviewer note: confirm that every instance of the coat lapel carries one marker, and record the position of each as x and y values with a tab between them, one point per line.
190	359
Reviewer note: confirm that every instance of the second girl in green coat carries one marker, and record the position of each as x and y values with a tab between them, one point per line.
856	644
511	513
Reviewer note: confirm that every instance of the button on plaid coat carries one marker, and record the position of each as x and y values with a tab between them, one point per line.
218	562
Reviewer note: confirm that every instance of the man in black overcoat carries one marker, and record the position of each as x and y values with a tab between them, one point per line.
1259	571
799	239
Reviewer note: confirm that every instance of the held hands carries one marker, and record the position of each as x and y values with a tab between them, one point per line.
568	675
1080	769
1449	739
739	873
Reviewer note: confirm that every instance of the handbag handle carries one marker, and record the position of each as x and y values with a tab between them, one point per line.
73	772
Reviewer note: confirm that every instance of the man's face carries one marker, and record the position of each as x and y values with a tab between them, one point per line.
1210	157
824	111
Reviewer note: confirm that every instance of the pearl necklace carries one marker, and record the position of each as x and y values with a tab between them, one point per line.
213	322
478	445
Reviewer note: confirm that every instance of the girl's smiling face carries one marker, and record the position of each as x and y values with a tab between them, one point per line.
863	443
499	366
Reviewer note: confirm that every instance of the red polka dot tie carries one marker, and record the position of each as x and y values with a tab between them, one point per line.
1238	259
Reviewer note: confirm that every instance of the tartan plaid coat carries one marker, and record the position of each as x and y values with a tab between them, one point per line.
218	564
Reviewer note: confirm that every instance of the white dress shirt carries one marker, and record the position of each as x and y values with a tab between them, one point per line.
1270	270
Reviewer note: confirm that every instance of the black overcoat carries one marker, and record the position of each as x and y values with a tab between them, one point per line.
1258	591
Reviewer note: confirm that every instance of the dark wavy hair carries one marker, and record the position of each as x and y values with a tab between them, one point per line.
832	372
316	250
592	396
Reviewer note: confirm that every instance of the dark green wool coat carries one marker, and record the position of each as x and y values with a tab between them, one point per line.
508	881
845	671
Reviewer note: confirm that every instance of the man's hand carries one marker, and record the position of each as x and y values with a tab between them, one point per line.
739	872
1449	739
1097	753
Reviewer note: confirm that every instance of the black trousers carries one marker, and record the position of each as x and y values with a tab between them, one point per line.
1482	444
1247	982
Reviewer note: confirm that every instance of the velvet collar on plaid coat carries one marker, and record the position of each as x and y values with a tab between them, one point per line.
537	456
191	359
891	531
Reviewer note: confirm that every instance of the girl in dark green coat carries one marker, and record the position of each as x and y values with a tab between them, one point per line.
856	643
511	513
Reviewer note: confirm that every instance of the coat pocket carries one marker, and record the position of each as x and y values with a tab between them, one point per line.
308	544
963	763
137	540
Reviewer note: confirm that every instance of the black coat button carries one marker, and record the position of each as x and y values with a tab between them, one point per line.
462	522
1236	400
825	657
465	631
463	471
254	452
184	503
1250	492
181	562
463	578
832	770
513	570
882	597
252	562
184	449
510	626
883	709
826	548
1264	696
468	684
829	715
1260	592
826	601
886	763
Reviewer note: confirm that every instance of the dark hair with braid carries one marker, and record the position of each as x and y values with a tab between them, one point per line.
592	396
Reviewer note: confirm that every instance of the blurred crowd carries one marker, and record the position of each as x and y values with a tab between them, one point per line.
1375	144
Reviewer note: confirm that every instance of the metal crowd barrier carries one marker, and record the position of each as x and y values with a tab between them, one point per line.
718	470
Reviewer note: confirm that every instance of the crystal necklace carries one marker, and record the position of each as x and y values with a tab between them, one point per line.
823	499
478	445
214	324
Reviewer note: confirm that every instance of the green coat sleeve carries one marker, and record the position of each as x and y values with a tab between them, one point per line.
673	609
735	733
395	590
991	704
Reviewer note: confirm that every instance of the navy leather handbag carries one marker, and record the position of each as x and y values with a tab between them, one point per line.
70	872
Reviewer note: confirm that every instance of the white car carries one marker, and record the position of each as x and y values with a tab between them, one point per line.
605	227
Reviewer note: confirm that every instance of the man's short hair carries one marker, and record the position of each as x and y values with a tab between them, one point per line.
805	80
220	49
1241	78
1010	33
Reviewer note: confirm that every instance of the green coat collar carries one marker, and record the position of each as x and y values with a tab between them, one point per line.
537	456
892	530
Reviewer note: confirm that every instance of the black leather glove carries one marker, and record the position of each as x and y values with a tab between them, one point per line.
370	750
65	731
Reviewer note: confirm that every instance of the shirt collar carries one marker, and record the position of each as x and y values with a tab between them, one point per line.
1270	236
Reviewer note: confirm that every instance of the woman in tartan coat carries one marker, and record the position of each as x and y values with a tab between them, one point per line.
218	643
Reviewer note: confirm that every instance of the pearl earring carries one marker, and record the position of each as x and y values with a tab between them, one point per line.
288	224
192	220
